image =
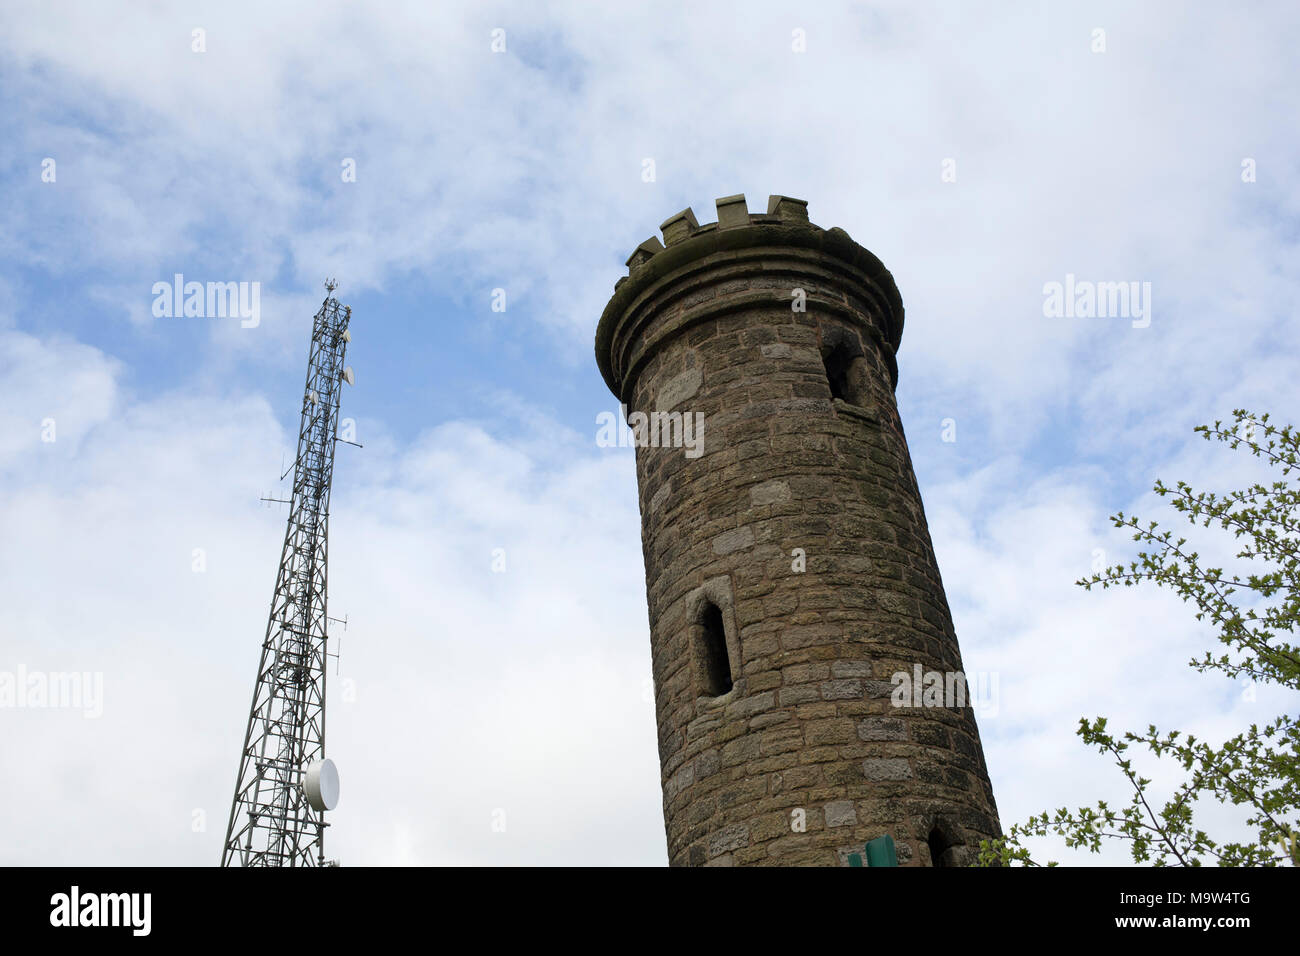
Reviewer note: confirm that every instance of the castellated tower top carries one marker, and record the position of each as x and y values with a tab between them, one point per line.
860	284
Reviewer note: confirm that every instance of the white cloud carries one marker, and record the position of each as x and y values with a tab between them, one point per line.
499	169
56	392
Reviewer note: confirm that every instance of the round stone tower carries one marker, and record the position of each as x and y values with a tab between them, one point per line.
808	683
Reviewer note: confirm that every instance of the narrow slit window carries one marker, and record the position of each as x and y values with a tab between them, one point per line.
939	849
711	645
845	373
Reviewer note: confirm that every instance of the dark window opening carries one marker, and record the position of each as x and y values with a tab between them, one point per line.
846	373
940	849
715	663
837	372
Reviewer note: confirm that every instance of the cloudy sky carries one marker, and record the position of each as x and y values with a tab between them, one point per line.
463	695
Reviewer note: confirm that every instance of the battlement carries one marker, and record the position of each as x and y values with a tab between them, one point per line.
732	212
743	240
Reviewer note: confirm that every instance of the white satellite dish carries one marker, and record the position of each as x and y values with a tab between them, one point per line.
321	784
347	335
313	397
348	377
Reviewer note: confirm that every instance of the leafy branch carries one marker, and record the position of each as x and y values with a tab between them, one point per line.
1257	769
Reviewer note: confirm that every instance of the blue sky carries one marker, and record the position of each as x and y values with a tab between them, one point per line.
522	170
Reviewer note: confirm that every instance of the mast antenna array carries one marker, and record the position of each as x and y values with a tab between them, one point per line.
285	783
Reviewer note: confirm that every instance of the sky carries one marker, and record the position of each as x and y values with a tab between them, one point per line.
429	154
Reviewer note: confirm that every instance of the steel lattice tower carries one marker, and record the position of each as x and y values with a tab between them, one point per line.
273	821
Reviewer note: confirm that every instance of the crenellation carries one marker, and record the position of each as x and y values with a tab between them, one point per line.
679	227
642	253
732	212
787	208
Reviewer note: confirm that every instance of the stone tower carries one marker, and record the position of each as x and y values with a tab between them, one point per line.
791	580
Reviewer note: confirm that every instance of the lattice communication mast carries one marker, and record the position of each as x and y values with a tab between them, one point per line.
285	783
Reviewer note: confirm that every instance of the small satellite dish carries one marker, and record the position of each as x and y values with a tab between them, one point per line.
348	376
313	397
321	784
347	335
